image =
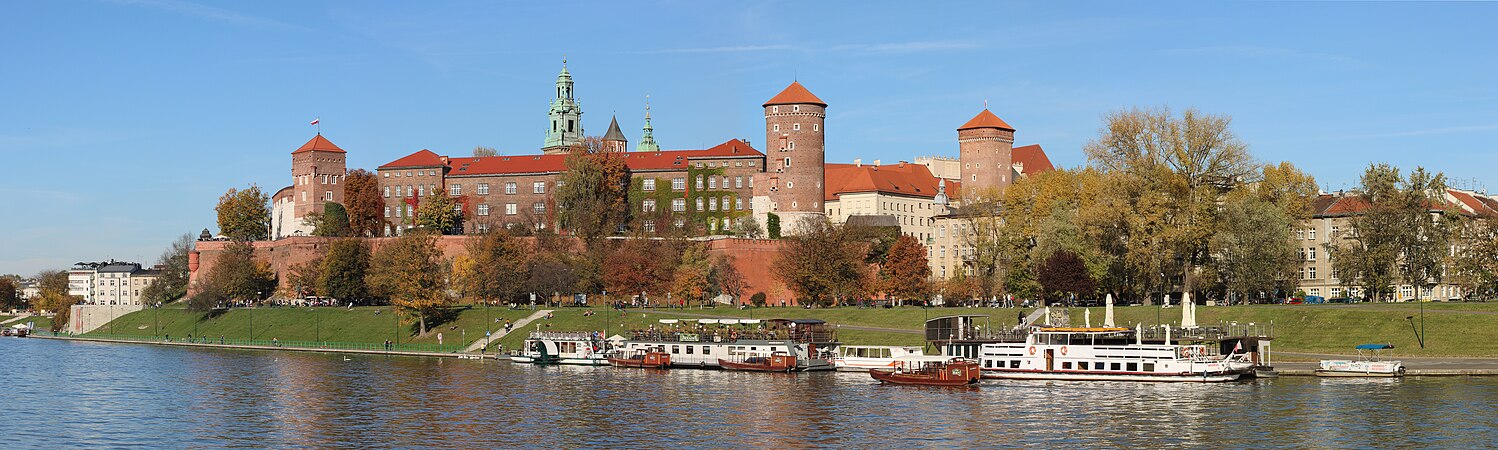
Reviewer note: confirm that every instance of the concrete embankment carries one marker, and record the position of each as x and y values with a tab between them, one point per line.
277	348
1423	367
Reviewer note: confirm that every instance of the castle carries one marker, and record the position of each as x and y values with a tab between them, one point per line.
713	190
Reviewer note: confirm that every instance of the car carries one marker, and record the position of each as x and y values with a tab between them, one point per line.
1294	301
1342	300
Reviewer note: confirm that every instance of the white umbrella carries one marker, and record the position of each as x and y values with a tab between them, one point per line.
1087	317
1108	313
707	320
1188	311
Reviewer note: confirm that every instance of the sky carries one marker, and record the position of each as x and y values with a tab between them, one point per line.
123	121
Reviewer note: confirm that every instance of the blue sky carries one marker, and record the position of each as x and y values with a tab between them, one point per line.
123	121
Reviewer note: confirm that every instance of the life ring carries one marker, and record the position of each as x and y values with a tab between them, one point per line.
1063	350
1032	351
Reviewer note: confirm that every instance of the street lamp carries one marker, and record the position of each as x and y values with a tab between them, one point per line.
1418	337
1160	306
252	315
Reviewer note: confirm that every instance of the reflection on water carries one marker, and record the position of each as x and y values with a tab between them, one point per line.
105	395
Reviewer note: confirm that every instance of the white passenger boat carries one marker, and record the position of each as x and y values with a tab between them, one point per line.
1103	353
1369	364
862	358
705	343
564	347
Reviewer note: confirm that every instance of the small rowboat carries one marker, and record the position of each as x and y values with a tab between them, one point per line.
643	359
930	371
1369	364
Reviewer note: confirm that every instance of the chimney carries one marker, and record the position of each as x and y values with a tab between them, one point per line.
858	162
876	163
903	163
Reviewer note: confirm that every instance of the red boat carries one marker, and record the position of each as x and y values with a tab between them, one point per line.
652	359
930	371
759	362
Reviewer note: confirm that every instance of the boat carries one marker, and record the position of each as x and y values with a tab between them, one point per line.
1370	363
704	343
862	358
929	371
563	347
1104	353
759	361
643	358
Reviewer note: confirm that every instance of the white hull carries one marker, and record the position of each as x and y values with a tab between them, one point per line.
1071	376
1062	356
705	355
1361	369
862	358
522	359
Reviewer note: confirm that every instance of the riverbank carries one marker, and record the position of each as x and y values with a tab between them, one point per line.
1453	330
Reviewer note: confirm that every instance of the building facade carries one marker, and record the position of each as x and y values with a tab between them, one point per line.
110	283
791	186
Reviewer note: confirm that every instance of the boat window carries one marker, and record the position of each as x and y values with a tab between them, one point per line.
1082	365
689	349
1149	367
675	349
1066	365
1014	364
884	353
706	349
1133	367
1117	366
988	363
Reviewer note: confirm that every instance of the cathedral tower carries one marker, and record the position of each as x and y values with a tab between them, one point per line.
794	157
986	147
566	117
614	140
647	139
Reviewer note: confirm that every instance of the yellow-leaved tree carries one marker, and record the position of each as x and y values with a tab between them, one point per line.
408	272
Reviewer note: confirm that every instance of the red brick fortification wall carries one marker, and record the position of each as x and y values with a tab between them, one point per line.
754	258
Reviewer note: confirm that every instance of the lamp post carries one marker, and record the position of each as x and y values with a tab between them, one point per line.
1160	306
316	325
157	309
252	315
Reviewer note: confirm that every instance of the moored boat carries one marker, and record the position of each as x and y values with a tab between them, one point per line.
704	343
1369	364
563	347
1104	353
929	371
653	359
862	358
759	361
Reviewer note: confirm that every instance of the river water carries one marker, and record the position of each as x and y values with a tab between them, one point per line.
61	394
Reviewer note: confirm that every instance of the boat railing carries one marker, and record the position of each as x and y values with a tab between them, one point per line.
729	335
563	335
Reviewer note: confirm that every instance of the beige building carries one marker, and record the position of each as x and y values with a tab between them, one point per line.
110	283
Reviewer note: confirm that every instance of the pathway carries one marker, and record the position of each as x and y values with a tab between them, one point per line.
479	344
16	319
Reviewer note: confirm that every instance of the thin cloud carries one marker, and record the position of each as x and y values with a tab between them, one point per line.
1254	51
207	12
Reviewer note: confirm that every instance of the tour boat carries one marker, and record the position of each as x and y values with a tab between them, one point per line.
654	359
759	361
1103	353
704	343
929	371
563	347
1365	366
862	358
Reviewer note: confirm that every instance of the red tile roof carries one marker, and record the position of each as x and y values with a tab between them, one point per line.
422	158
517	164
1475	204
795	93
1033	157
986	119
319	143
909	179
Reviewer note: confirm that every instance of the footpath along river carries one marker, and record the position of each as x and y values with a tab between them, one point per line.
63	394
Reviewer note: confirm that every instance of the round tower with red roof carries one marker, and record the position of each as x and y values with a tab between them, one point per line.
794	155
986	149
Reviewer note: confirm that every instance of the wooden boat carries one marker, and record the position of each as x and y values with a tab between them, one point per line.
1369	364
930	371
653	359
760	362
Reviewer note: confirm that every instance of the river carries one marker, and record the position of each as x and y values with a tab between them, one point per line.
61	394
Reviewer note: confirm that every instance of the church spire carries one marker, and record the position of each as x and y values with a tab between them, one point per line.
647	139
566	116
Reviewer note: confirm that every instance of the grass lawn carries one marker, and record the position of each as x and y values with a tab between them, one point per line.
371	324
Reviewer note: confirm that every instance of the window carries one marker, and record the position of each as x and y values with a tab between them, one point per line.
777	127
408	173
738	182
738	204
774	109
790	184
483	188
1311	273
327	196
725	203
1334	231
539	207
699	182
649	226
679	184
510	188
796	127
1311	254
538	187
455	189
1311	234
795	108
421	190
751	179
483	210
1315	292
647	184
790	145
699	204
385	174
304	196
679	205
648	205
398	210
387	191
1300	234
751	163
712	204
816	127
387	211
787	163
510	209
712	182
1300	254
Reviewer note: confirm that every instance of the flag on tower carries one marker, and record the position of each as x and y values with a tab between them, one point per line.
315	121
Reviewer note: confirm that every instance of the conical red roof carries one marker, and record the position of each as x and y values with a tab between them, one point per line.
986	119
793	94
319	143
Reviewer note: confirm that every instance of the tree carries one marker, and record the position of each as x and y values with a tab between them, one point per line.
440	213
748	227
772	226
408	272
235	276
823	264
692	280
496	267
1287	187
480	150
342	270
52	295
905	272
10	297
301	279
1252	247
592	196
1065	273
1365	255
361	192
244	215
172	284
1426	237
332	222
641	266
758	299
1474	266
727	278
